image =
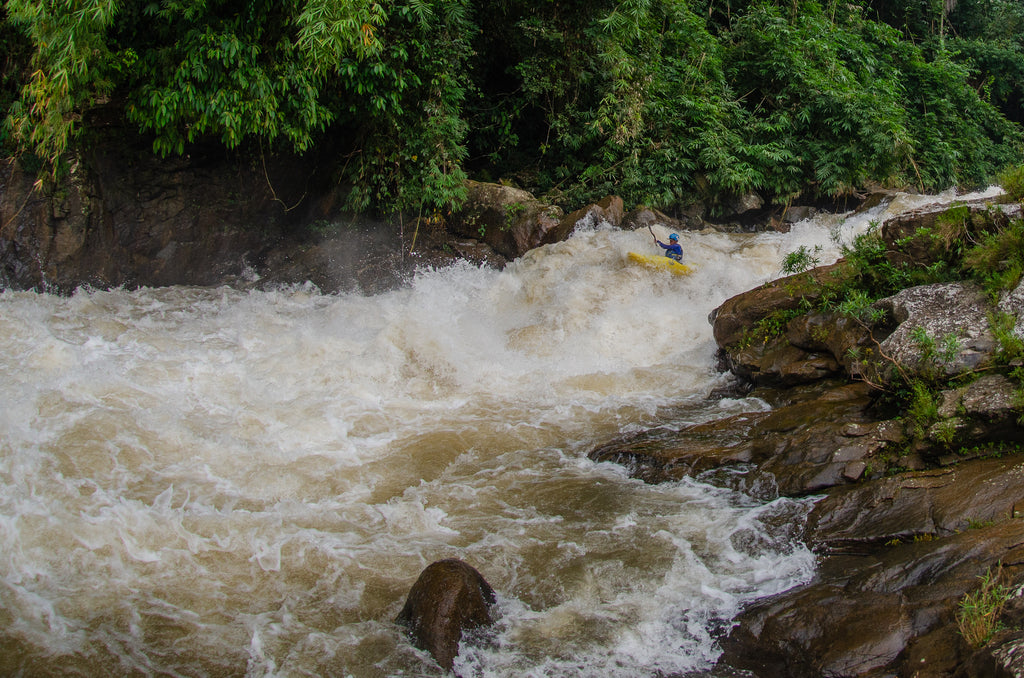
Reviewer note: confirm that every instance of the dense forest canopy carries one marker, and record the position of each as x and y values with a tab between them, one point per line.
661	101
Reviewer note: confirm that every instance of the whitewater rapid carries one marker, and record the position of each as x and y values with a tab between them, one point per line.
214	482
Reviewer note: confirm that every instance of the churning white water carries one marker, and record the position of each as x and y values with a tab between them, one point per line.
210	482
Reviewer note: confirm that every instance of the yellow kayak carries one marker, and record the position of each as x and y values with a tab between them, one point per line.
661	261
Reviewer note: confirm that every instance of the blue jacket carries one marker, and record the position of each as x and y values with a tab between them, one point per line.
672	251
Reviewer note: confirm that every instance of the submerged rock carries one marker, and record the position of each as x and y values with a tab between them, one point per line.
449	597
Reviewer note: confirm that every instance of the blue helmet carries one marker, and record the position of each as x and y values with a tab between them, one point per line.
673	237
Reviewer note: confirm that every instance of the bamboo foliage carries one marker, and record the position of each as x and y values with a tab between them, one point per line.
69	69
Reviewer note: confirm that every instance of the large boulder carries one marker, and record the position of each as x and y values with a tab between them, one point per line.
509	219
449	597
939	330
813	346
920	237
836	334
738	315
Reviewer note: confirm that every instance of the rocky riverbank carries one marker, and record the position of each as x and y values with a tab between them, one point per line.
917	508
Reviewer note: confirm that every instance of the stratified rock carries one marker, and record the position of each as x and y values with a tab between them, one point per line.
448	598
933	503
662	455
779	363
798	449
809	447
868	614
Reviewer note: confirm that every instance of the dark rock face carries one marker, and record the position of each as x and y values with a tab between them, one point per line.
448	598
123	219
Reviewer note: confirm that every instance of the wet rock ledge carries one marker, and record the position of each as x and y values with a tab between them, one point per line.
914	510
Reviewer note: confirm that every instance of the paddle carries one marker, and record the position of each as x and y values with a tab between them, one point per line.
652	234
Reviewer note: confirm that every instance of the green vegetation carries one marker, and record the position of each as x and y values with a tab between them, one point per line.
978	616
1012	181
661	101
1011	346
769	327
801	259
982	247
997	261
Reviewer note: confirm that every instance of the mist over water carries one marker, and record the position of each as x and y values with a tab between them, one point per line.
212	482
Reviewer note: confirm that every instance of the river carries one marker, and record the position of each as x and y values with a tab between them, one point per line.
215	482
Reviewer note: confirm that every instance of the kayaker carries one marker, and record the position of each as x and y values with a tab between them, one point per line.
673	250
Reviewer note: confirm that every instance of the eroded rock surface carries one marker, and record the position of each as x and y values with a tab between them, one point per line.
871	613
940	329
